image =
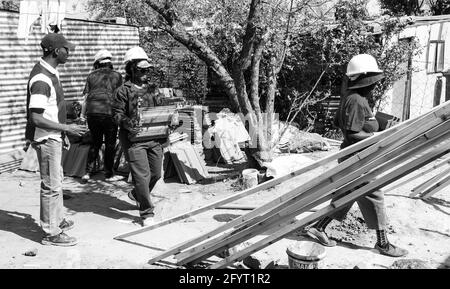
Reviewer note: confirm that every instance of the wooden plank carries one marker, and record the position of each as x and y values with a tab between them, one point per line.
213	246
442	184
322	181
420	174
438	112
330	209
266	185
426	185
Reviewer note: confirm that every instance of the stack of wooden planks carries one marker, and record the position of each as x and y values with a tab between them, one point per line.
435	184
371	165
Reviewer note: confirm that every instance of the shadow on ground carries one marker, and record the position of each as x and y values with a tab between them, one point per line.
20	224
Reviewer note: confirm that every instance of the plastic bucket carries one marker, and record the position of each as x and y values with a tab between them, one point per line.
305	255
250	178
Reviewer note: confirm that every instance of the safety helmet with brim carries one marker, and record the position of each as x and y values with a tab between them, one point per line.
365	80
362	64
103	56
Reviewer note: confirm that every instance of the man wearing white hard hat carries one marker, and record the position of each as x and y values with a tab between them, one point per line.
355	118
100	86
144	157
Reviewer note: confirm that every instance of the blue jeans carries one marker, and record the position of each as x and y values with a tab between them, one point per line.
51	211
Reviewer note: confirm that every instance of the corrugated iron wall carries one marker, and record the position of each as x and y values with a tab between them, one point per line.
17	58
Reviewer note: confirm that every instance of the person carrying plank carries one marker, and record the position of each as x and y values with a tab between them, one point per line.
356	121
144	157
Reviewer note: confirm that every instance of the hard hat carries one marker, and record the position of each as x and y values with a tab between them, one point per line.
135	53
103	56
362	64
365	80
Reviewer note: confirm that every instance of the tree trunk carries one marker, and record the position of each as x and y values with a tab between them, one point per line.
203	52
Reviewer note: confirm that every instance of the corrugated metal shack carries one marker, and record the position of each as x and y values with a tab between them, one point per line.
17	57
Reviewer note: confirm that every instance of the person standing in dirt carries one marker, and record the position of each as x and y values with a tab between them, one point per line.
144	157
356	121
46	130
98	91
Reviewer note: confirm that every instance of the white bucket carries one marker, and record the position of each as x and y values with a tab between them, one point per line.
250	178
305	255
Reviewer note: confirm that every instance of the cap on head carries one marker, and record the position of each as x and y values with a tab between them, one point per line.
53	41
103	56
135	53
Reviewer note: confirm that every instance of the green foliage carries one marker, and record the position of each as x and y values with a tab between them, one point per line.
403	7
330	47
416	7
12	5
439	7
193	81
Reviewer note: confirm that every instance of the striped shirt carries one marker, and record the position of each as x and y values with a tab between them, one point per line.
45	92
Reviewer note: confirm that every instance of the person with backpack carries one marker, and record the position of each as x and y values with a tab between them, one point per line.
100	86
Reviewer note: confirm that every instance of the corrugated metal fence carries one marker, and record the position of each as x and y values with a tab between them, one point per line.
17	58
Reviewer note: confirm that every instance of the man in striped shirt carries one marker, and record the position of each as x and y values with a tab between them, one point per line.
46	129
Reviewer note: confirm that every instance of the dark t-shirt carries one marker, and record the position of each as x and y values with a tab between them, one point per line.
353	115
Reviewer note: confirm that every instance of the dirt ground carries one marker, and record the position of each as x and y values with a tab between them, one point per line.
102	210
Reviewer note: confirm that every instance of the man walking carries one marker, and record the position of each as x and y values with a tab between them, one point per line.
46	129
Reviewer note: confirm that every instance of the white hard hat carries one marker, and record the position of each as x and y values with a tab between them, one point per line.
135	53
362	64
103	56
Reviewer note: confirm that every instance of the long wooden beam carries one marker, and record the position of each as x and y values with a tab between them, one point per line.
212	246
358	162
438	112
420	174
439	186
424	186
321	180
330	209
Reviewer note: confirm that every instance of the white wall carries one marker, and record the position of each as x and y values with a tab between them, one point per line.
423	84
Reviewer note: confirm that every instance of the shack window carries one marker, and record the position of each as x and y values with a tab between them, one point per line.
435	59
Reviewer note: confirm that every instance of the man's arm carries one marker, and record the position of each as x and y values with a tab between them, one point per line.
38	119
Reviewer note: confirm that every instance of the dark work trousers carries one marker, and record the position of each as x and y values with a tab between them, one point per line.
371	206
103	126
145	162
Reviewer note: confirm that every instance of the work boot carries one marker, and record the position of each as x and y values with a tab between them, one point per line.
59	240
319	236
66	225
391	250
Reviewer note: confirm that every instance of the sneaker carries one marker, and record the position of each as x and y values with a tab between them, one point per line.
85	178
319	236
148	222
59	240
66	225
113	178
391	250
